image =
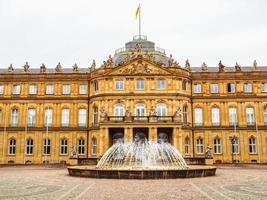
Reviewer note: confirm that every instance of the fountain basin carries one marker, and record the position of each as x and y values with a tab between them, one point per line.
126	173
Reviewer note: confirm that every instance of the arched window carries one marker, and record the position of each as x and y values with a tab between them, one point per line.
48	117
250	116
82	117
162	109
63	146
215	116
140	110
95	115
252	145
81	146
265	115
47	146
217	145
198	116
186	145
232	116
185	114
65	117
184	85
200	146
119	110
12	146
29	146
94	146
14	117
31	117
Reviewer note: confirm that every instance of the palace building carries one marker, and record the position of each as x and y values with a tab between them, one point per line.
50	115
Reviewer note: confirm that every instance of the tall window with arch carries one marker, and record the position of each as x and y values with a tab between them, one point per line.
31	117
250	116
14	117
185	114
65	117
119	110
252	145
232	116
140	110
47	146
12	146
82	117
215	116
162	109
29	146
81	146
63	146
48	117
200	146
217	145
94	146
198	116
186	145
95	115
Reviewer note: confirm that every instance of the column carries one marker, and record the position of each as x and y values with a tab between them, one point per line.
128	134
152	134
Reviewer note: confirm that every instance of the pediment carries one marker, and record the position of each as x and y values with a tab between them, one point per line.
140	67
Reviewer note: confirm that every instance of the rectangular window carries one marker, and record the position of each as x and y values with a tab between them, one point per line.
247	87
66	89
33	89
264	87
198	117
1	89
16	89
232	116
95	85
217	146
231	87
94	146
186	145
12	147
14	117
250	116
235	146
31	117
29	147
214	89
161	84
215	116
197	88
81	146
63	147
140	84
82	117
83	89
49	89
65	114
119	84
47	146
252	145
200	146
48	117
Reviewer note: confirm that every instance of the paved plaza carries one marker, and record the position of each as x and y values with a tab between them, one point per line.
36	182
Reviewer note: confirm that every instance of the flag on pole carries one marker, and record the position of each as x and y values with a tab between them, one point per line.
137	12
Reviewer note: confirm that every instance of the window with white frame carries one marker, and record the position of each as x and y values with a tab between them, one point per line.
63	146
48	117
198	116
186	145
29	146
140	84
252	145
215	116
200	146
47	146
12	146
49	89
119	85
247	87
119	110
161	84
162	109
265	115
82	117
83	89
214	88
33	89
250	116
65	117
81	146
197	88
94	146
230	87
232	116
1	89
95	115
14	117
16	89
235	146
65	89
217	146
31	117
185	114
140	110
264	87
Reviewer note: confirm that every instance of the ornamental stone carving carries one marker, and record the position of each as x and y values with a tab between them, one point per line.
204	67
255	65
237	67
26	67
221	66
75	68
10	68
187	65
58	68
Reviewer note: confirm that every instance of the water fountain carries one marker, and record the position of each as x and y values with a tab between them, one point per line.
142	159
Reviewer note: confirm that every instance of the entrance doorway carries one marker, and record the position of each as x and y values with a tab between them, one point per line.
164	135
116	135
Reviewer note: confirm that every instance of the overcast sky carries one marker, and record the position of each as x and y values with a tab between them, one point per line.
77	31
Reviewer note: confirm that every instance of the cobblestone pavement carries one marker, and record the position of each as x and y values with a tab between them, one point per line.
50	183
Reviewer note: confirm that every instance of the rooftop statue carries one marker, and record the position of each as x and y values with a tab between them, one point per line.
138	48
75	68
204	67
93	65
58	68
10	68
221	67
171	61
237	67
255	65
109	61
42	68
187	64
26	67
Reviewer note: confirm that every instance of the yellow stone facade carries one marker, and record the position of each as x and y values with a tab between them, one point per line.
180	89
